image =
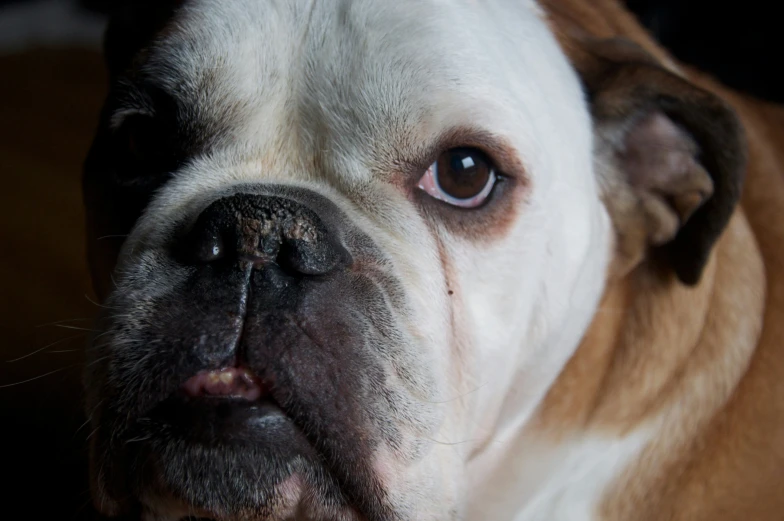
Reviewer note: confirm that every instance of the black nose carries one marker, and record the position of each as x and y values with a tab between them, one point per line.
259	230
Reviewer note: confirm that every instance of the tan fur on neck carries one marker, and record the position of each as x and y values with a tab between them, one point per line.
703	366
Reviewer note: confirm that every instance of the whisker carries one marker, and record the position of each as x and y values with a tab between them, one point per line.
138	439
76	328
98	304
89	417
112	237
82	426
38	377
97	360
63	322
100	335
450	443
28	355
101	476
92	434
114	343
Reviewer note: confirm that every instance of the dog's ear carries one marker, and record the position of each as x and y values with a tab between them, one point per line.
670	156
132	27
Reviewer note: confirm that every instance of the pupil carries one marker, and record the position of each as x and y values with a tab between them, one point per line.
461	162
463	173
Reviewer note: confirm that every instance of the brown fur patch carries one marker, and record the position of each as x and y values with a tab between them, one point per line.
702	367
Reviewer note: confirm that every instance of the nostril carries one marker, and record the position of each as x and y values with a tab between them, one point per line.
202	243
287	260
208	247
298	257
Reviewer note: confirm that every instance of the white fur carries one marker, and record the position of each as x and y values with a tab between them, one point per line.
356	82
540	480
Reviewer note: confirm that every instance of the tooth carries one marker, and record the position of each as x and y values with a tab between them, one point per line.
213	377
226	377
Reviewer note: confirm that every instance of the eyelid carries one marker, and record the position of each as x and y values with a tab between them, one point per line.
119	116
496	147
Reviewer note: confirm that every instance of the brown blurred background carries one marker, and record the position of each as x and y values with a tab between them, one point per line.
51	87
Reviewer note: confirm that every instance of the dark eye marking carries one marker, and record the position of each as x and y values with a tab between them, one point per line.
147	138
144	148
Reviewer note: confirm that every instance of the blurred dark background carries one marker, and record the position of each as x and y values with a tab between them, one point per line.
741	43
51	89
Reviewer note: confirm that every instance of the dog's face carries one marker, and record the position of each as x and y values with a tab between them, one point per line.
380	214
359	233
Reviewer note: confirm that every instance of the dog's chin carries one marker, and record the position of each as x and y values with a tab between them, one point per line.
226	459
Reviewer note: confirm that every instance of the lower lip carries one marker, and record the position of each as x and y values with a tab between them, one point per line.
224	418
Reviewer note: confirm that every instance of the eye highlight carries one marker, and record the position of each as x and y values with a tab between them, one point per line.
462	177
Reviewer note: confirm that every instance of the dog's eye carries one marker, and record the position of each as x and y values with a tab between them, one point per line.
143	150
462	177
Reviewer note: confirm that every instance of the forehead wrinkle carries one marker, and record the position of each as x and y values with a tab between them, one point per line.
370	95
355	92
361	86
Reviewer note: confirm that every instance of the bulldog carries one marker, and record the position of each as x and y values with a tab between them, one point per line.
430	260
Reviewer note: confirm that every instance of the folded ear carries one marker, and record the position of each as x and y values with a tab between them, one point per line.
670	156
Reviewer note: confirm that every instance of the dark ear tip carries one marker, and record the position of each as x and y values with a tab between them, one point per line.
688	259
689	273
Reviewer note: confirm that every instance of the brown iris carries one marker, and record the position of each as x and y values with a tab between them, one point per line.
463	173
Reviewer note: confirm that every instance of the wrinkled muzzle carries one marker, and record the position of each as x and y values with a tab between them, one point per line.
246	368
